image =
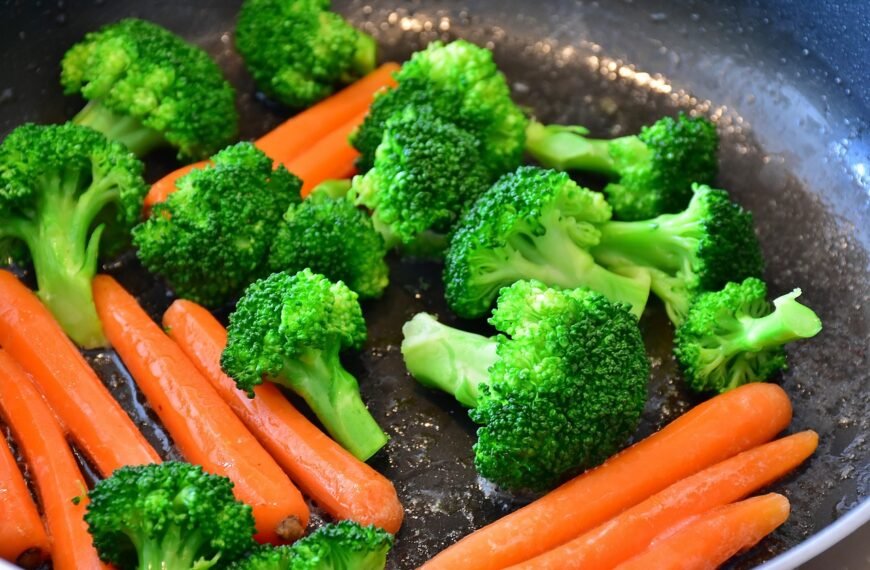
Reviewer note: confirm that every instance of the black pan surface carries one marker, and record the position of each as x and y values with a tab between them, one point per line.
785	82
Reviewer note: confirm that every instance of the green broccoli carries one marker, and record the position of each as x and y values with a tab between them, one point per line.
291	329
731	337
146	88
463	85
169	516
702	248
532	224
211	237
329	235
426	173
61	187
298	51
655	169
560	390
342	546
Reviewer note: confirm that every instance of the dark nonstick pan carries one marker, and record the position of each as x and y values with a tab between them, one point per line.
784	79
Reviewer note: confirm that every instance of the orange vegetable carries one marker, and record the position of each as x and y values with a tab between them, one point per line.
633	530
22	535
341	484
204	428
709	433
706	541
330	157
98	425
298	133
52	465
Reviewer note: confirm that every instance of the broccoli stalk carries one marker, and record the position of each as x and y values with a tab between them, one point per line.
63	186
125	129
654	169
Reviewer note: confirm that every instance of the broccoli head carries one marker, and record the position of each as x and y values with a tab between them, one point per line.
342	546
171	515
146	87
560	389
654	170
462	83
298	50
426	173
61	187
291	329
532	224
330	235
702	248
211	237
732	337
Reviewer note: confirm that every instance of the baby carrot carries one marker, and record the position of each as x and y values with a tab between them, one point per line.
55	472
91	416
707	434
22	535
341	484
332	157
201	424
708	540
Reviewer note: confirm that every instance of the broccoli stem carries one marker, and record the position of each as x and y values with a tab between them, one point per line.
565	148
446	358
174	551
789	321
333	394
124	129
366	55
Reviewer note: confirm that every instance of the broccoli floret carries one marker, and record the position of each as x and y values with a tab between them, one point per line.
532	224
560	390
461	82
654	169
342	546
146	87
211	237
332	236
298	51
702	248
291	329
426	173
731	337
61	187
172	516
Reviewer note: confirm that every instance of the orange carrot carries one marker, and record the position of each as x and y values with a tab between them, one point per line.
709	433
297	134
633	530
201	424
91	416
707	541
341	484
55	472
330	157
22	535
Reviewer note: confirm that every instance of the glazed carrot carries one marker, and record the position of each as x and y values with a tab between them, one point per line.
330	157
632	531
97	424
295	135
22	535
201	424
341	484
707	541
54	469
707	434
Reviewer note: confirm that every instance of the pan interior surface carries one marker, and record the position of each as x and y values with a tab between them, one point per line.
794	151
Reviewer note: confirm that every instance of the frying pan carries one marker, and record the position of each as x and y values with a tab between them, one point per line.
784	79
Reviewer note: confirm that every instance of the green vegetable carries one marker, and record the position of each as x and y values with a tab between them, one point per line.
146	87
654	170
342	546
560	389
532	224
61	188
291	329
702	248
211	237
298	51
732	337
169	516
463	85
